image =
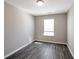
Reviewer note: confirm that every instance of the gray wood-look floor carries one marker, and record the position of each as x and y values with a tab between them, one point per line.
41	50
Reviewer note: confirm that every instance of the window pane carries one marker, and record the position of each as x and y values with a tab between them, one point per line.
49	33
48	25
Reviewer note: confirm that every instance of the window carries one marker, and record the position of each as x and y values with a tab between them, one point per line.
49	27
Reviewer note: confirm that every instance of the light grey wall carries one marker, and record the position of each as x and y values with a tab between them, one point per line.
60	25
70	30
19	28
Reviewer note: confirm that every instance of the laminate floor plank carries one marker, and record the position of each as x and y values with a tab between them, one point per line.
41	50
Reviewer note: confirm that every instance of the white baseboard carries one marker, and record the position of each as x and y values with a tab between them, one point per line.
17	50
70	50
52	42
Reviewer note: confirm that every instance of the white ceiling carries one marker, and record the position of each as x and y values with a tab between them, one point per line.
50	6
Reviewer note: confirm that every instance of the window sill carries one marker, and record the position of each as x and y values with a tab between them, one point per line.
49	35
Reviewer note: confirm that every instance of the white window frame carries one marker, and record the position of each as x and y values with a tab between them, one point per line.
49	32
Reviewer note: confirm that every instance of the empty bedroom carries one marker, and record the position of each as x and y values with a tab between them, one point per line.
38	29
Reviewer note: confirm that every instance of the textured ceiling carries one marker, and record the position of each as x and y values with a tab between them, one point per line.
49	7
